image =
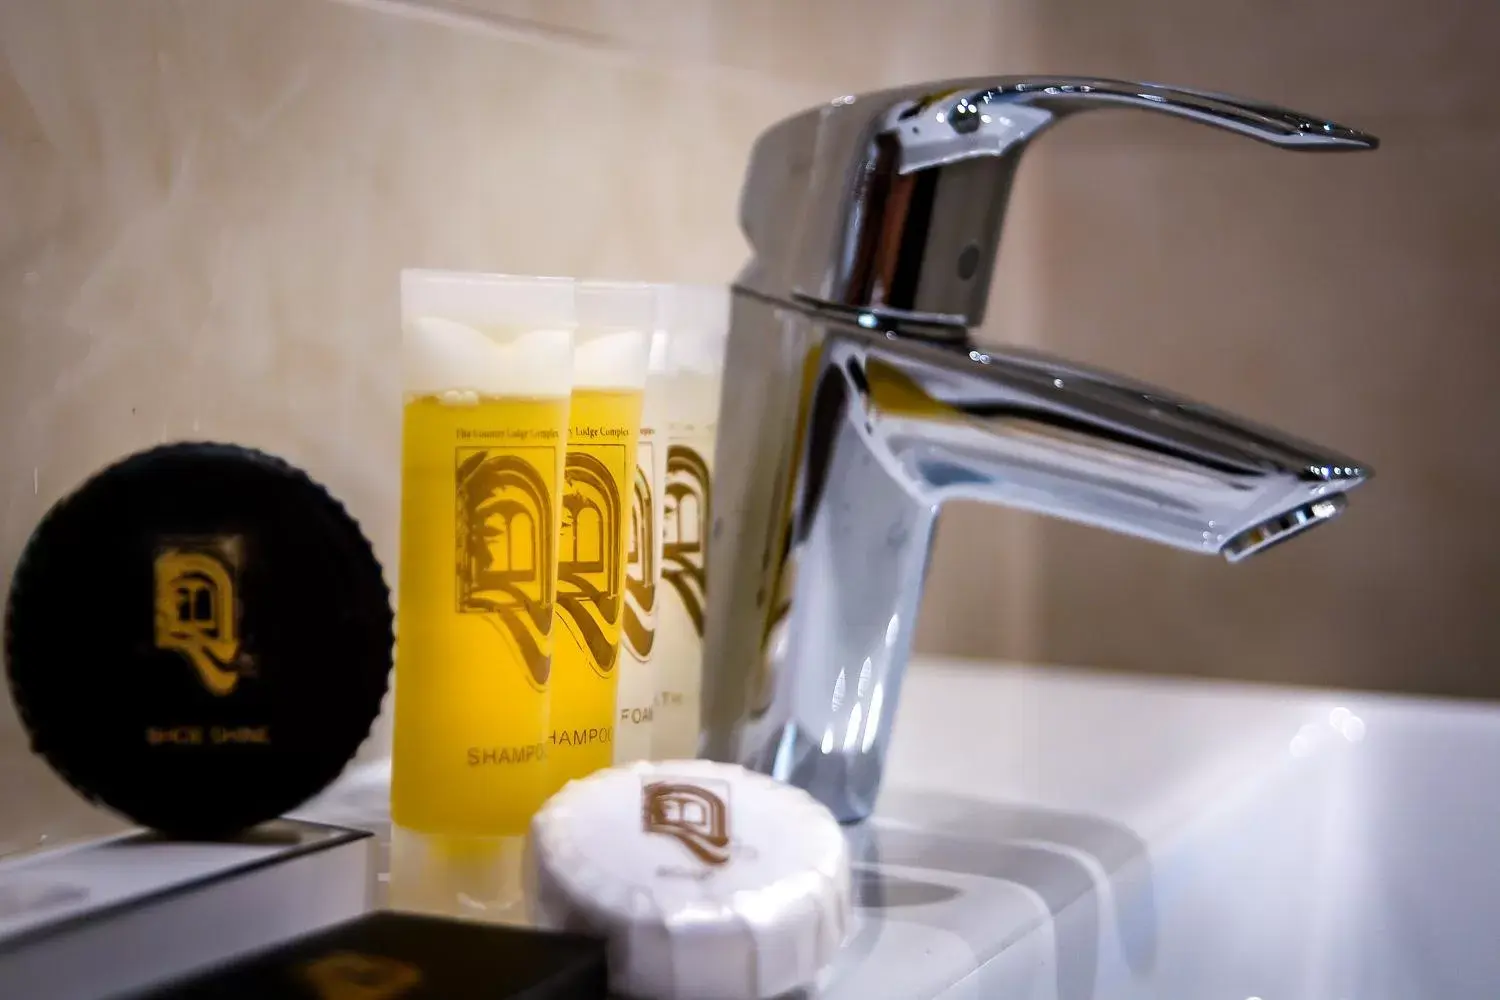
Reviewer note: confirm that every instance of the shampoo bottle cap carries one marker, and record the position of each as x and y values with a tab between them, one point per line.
696	321
490	300
616	305
658	365
497	334
612	346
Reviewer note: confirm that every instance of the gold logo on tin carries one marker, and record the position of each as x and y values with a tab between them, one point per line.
198	609
639	628
349	975
504	550
685	517
691	812
589	574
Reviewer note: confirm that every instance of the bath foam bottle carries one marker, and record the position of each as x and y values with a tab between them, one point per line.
637	692
488	372
610	358
696	322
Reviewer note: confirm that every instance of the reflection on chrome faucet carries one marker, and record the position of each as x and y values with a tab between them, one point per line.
856	404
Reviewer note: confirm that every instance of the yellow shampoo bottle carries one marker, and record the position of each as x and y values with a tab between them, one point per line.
488	370
610	355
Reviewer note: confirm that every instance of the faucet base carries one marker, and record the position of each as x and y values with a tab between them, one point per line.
848	784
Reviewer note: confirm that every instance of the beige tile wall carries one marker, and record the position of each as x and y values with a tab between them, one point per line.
203	205
1352	299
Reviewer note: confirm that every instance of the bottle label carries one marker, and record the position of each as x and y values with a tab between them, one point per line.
641	571
685	517
590	573
505	536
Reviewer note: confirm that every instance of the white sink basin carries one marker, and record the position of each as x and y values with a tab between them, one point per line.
1084	836
963	898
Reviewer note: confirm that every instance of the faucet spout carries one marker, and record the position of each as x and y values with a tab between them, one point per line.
892	429
1026	431
856	403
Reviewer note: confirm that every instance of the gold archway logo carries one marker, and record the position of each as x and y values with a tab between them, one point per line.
639	626
589	574
350	975
198	608
685	517
504	551
695	813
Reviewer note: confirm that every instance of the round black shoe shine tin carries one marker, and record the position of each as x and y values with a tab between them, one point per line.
198	638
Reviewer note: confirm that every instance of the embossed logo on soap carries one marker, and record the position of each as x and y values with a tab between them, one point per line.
685	519
694	812
198	607
589	573
350	975
639	627
504	552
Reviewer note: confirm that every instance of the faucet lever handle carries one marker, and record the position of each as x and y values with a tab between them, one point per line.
893	202
1000	118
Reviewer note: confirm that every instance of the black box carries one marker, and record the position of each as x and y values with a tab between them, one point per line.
398	956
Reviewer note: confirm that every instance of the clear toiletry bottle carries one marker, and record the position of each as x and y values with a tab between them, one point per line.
696	322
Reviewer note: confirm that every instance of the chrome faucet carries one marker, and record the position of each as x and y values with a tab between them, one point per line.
856	402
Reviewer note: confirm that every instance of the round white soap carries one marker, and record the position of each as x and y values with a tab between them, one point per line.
710	882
